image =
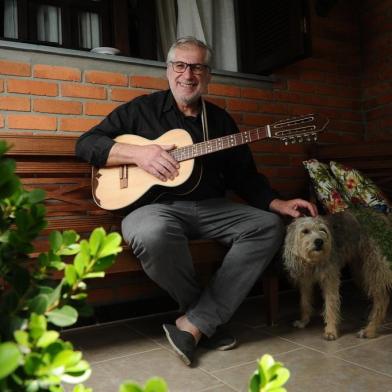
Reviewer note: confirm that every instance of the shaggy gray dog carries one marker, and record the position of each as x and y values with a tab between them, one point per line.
315	251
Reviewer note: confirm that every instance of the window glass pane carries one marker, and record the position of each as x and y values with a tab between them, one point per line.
10	19
49	24
89	30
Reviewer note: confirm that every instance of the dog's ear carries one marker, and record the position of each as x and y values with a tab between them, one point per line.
289	242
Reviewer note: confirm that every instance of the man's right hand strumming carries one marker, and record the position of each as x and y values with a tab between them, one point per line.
153	158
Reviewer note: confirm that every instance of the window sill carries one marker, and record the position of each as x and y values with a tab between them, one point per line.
34	48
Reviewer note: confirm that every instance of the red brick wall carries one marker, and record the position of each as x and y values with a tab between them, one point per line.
376	23
39	96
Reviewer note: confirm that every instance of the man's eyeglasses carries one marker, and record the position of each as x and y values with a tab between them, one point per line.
197	69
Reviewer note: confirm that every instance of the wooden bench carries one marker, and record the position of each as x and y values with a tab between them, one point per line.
48	162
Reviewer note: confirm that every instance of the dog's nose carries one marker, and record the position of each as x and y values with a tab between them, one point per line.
318	243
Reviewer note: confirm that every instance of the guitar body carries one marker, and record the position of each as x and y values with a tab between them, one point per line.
141	187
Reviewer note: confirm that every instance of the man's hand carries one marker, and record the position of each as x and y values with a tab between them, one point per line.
152	158
294	208
156	160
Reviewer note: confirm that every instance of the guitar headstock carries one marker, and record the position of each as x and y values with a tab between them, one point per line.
298	129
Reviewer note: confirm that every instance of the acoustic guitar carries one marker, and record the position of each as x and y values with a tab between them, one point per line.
129	187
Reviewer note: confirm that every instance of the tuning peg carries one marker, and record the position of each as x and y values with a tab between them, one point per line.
299	139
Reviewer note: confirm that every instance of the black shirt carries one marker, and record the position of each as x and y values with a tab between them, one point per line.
152	115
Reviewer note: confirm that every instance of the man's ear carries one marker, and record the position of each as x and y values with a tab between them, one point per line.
209	76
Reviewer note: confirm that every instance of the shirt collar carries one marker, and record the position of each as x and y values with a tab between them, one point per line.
169	102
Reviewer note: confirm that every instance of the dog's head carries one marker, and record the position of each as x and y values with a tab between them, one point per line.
308	239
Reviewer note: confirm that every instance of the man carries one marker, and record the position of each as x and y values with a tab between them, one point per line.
159	232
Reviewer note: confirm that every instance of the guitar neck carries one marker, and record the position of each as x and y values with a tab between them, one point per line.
222	143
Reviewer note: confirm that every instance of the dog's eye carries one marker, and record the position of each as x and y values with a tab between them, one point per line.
323	231
305	231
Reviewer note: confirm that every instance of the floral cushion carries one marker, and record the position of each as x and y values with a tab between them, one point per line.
325	186
358	189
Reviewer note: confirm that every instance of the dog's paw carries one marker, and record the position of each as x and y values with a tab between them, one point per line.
300	323
366	334
330	335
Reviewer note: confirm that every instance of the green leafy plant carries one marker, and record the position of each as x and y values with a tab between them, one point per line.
270	376
154	384
33	358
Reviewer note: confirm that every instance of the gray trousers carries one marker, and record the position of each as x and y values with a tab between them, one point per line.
158	235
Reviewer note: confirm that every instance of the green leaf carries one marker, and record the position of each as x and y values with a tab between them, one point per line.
10	358
63	317
56	388
81	388
57	265
38	304
43	260
111	245
37	325
92	275
69	250
264	363
22	338
155	384
80	367
104	263
47	338
70	237
67	358
32	363
79	296
70	274
96	240
130	386
56	240
76	379
282	375
9	188
254	383
36	196
54	295
81	262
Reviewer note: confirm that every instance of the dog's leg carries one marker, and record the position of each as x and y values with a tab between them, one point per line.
380	298
306	293
377	282
330	287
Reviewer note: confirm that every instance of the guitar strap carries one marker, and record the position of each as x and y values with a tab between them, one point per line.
204	121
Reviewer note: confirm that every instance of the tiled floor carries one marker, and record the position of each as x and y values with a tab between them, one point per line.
137	349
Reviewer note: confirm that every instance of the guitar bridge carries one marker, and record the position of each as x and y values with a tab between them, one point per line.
123	176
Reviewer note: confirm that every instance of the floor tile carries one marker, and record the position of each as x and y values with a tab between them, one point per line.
375	354
252	344
312	335
138	349
312	371
108	375
102	343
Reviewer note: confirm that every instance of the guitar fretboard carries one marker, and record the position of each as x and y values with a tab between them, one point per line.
221	143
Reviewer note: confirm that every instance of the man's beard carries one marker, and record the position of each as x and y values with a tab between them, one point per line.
190	100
